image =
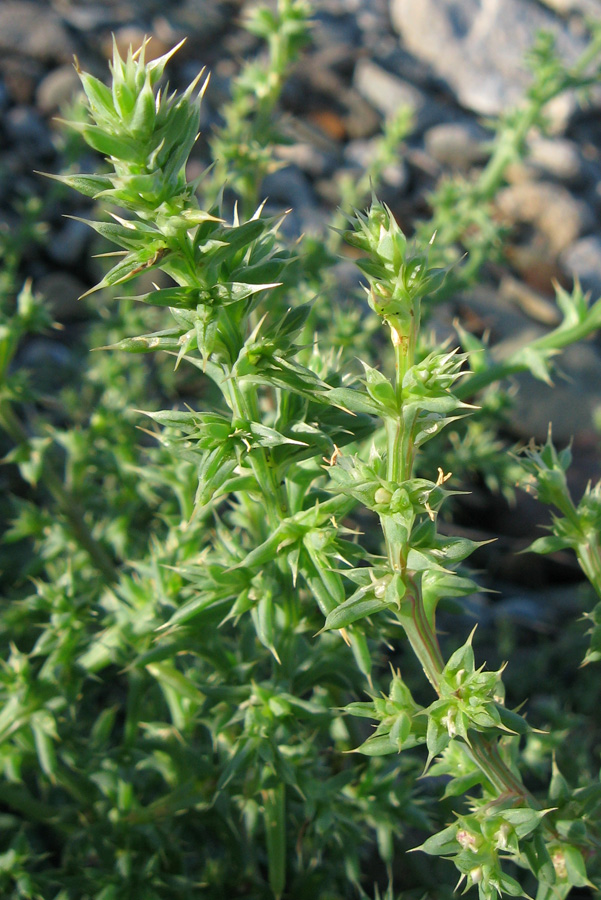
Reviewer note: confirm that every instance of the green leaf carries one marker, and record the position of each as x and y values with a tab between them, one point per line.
422	561
178	297
241	755
510	886
355	401
536	361
44	733
377	745
462	784
99	97
263	616
315	576
559	789
120	148
269	437
29	457
278	372
134	236
437	738
380	389
400	730
360	649
293	321
444	843
512	720
129	266
174	417
144	114
524	820
575	866
239	236
274	812
89	185
539	859
192	609
148	343
360	605
182	147
362	709
166	673
462	658
548	544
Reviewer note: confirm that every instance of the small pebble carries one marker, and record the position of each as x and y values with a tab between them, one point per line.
386	92
557	157
313	161
556	213
458	145
583	261
57	89
34	30
361	154
289	187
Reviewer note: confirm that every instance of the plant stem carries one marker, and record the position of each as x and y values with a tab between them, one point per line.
244	407
505	151
589	557
485	754
421	635
418	626
555	340
400	456
399	443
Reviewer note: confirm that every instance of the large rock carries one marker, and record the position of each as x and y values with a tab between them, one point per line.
478	46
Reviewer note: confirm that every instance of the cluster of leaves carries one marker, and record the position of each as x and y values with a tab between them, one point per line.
193	611
243	148
578	527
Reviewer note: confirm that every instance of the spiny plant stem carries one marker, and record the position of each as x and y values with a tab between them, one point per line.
485	754
491	178
418	626
244	407
421	636
589	557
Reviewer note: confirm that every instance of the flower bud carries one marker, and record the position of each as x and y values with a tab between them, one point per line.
467	840
476	874
501	836
559	864
382	495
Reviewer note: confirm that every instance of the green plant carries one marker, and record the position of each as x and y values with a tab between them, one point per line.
204	606
578	527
